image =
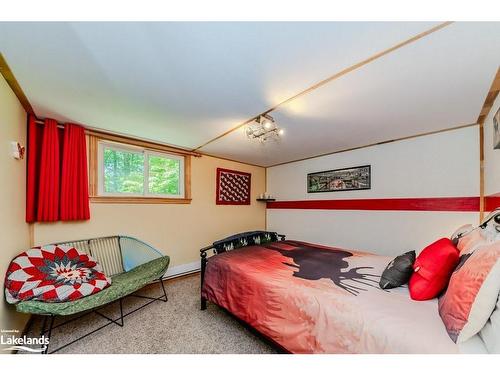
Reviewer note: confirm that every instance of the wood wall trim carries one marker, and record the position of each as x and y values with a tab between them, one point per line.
265	189
131	140
332	78
14	85
232	160
481	172
483	114
141	143
138	200
94	178
187	177
93	167
376	144
490	98
461	204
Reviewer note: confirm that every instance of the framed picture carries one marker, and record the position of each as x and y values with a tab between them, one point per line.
233	187
496	131
355	178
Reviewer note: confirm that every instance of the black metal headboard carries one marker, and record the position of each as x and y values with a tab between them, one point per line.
239	240
236	241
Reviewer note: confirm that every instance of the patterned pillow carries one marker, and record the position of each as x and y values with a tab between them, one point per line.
53	274
244	239
474	286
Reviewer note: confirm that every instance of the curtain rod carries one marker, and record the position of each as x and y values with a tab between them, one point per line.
124	138
41	122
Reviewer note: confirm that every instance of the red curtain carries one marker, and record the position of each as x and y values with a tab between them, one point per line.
74	182
57	182
32	170
48	187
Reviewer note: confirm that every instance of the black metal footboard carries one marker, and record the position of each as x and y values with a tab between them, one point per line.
204	260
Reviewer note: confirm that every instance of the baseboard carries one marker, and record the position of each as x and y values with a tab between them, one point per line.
182	269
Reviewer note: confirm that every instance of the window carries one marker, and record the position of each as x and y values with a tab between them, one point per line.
125	172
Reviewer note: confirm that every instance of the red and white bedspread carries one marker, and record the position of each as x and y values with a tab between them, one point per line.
316	299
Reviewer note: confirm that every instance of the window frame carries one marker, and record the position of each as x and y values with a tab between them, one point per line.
97	194
182	177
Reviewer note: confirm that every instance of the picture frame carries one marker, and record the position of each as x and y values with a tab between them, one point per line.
496	130
343	179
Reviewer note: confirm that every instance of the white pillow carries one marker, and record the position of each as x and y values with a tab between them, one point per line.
491	331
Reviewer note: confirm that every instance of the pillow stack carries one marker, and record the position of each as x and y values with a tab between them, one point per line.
464	272
427	275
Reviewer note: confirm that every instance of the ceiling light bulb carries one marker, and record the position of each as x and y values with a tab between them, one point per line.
281	132
249	131
267	124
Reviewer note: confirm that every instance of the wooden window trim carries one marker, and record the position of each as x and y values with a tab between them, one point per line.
94	196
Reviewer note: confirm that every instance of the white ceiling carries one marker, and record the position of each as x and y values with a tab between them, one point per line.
186	83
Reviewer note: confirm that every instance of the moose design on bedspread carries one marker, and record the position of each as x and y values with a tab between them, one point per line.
314	263
310	298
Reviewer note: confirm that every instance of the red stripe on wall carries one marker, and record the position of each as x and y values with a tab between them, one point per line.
384	204
491	202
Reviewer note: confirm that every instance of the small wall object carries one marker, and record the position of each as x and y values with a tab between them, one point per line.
496	131
355	178
233	187
266	197
17	150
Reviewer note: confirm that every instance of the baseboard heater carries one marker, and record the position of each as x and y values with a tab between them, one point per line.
181	270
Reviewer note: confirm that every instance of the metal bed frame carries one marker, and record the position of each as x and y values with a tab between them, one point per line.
204	261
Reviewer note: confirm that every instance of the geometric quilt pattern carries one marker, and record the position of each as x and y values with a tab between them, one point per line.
53	274
233	187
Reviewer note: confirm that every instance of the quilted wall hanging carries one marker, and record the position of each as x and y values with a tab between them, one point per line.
233	187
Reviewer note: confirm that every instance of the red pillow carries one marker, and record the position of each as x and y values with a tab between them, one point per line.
433	269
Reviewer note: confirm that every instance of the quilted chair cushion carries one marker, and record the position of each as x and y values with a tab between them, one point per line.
244	239
123	284
53	274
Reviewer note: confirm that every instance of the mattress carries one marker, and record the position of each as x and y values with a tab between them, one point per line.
316	299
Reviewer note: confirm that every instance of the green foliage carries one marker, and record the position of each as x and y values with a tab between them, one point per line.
124	173
163	175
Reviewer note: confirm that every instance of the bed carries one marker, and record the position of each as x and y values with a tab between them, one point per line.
308	298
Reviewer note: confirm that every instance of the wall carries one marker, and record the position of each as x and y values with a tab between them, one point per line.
491	156
178	230
439	165
13	229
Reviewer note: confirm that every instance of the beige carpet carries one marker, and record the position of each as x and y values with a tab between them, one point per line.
176	326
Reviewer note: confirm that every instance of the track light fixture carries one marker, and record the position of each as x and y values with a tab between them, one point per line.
264	129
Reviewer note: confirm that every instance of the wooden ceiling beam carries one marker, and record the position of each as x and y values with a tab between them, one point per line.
490	98
14	85
332	78
485	110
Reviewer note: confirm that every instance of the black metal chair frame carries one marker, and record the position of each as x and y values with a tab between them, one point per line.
50	318
119	321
